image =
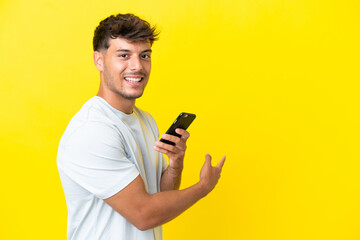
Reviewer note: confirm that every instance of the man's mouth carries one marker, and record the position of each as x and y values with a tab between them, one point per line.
133	79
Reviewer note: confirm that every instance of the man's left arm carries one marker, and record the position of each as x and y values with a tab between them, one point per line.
171	177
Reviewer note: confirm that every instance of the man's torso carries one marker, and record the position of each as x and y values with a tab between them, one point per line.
100	153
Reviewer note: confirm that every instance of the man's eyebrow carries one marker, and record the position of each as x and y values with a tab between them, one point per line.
122	50
127	50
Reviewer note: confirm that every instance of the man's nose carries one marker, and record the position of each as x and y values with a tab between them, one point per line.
135	64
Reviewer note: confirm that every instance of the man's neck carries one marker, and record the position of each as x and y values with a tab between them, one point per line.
124	105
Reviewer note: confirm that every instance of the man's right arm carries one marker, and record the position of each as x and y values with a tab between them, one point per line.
147	211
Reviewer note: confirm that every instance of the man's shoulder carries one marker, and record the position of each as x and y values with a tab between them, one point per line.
95	110
93	114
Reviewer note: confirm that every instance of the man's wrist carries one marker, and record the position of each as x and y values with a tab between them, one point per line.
176	171
202	188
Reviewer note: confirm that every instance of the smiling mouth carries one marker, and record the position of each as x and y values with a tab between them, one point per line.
133	79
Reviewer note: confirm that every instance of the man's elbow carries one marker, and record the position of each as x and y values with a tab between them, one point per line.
143	227
146	223
146	215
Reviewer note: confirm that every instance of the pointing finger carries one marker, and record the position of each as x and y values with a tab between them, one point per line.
208	159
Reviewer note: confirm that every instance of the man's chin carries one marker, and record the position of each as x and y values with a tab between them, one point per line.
130	96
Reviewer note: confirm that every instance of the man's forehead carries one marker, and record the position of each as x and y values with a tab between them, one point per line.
123	43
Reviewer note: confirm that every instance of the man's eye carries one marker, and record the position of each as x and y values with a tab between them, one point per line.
123	55
145	56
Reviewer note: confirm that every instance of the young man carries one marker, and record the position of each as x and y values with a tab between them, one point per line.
116	181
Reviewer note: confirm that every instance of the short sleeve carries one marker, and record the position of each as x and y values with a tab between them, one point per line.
94	157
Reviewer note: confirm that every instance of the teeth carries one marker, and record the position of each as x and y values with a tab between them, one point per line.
133	79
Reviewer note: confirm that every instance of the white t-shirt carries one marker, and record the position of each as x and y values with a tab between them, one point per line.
100	153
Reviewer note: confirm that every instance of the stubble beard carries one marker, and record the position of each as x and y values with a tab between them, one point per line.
123	94
110	84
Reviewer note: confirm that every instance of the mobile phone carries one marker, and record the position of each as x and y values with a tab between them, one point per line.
183	121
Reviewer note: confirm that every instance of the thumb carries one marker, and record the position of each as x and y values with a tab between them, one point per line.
221	162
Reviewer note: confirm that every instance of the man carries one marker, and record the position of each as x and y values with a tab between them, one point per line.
116	181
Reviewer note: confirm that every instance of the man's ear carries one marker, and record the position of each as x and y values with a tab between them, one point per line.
98	60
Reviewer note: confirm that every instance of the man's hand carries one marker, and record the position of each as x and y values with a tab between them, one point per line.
209	175
147	211
175	153
171	177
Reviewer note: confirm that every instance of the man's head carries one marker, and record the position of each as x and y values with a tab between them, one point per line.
122	54
127	26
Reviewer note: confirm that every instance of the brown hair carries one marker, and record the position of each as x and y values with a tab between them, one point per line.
126	26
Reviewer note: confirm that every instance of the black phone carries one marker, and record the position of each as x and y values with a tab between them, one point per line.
183	121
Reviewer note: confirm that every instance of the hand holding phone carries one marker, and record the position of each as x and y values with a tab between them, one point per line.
183	121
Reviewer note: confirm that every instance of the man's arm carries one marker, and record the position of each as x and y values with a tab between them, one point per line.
171	177
147	211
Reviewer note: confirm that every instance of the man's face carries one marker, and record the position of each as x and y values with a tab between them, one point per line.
126	68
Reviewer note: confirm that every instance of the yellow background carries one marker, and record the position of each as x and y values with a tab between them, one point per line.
274	84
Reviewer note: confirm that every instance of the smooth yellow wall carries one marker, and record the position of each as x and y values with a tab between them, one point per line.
274	84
